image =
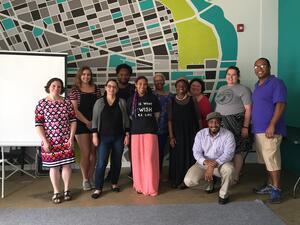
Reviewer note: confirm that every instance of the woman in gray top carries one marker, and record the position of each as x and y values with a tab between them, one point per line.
110	127
233	102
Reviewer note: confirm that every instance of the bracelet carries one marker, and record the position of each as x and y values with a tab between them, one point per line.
172	138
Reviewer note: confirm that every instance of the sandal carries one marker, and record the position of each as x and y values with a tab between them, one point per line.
67	195
56	198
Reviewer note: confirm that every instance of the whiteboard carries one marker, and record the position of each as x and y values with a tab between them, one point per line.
23	76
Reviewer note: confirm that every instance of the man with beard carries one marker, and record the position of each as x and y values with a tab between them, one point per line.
126	90
213	150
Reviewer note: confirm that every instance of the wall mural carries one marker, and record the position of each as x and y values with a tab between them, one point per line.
189	38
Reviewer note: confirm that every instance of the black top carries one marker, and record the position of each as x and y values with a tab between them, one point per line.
85	106
87	101
111	119
143	121
126	92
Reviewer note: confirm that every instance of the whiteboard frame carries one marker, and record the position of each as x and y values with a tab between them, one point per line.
36	143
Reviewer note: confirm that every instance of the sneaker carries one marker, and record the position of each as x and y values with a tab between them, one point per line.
210	188
264	190
86	186
275	196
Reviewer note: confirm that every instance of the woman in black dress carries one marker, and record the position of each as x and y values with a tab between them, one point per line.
183	125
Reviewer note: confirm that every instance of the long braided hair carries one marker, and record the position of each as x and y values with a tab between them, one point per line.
136	97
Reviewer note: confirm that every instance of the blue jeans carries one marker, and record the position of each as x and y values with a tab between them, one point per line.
109	144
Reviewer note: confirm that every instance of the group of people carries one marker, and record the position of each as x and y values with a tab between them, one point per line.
203	143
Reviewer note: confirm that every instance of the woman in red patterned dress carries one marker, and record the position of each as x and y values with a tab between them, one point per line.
55	123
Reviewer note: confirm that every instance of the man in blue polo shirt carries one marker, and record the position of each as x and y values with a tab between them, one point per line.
269	100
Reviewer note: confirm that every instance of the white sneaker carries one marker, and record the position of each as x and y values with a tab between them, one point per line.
86	186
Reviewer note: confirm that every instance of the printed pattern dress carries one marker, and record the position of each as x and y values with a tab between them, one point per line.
55	117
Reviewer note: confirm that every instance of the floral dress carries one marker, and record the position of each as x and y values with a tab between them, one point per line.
55	117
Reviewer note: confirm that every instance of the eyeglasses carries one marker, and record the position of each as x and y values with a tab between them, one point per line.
262	66
159	81
111	86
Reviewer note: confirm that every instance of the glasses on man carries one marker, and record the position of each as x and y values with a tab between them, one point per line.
262	66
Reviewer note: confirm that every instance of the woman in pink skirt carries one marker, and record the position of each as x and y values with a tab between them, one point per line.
144	111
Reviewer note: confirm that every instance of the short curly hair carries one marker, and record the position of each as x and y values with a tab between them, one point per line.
53	80
124	66
199	81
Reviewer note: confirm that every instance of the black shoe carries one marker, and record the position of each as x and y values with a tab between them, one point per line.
96	195
209	191
67	195
174	186
182	186
223	201
115	189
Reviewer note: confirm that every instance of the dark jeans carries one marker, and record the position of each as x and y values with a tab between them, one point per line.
109	145
162	140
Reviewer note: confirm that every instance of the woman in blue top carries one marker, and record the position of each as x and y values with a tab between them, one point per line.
164	98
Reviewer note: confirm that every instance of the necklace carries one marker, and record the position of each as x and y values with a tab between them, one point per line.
181	99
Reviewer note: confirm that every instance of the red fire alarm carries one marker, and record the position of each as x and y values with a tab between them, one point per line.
240	27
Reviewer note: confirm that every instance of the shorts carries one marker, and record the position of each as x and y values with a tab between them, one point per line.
268	151
81	128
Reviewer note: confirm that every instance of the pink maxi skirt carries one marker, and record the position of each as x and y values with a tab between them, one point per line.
145	163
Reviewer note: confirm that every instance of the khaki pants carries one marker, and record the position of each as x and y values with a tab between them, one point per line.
196	173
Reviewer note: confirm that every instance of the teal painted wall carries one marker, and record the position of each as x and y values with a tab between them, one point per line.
289	56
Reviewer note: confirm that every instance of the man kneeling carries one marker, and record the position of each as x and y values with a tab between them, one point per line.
213	150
